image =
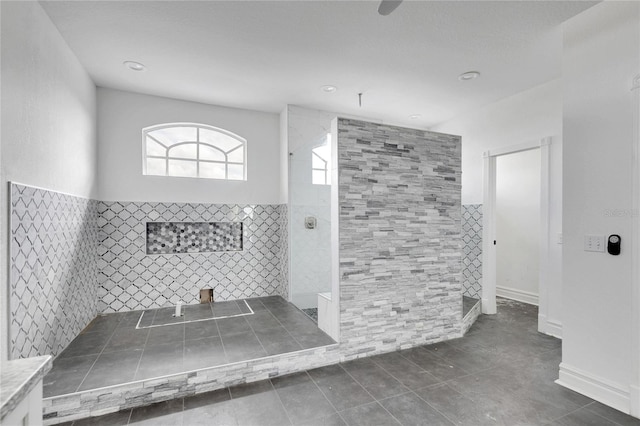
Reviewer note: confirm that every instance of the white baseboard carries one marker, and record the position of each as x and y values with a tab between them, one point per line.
609	393
519	295
550	327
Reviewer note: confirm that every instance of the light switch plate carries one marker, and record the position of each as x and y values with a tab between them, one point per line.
594	243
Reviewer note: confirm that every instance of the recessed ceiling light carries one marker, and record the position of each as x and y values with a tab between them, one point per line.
415	116
469	75
134	66
329	88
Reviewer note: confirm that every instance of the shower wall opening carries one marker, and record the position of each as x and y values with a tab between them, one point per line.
310	185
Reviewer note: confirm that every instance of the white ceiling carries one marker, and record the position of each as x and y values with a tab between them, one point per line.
263	55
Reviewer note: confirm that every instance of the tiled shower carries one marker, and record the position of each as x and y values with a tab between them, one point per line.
122	256
72	258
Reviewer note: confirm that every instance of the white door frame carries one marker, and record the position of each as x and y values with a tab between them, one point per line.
489	225
634	394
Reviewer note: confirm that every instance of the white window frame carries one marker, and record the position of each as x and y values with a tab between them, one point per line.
325	169
198	143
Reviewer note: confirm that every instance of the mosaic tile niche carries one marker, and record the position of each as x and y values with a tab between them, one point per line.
472	250
193	237
53	269
130	279
400	237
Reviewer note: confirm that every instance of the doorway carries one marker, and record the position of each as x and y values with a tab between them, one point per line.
489	231
518	226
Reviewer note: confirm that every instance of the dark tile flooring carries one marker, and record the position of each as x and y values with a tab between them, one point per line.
467	304
112	351
500	373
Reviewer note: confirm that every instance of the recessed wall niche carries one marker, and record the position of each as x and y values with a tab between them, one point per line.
193	237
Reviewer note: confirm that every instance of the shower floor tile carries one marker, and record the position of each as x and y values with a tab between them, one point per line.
113	349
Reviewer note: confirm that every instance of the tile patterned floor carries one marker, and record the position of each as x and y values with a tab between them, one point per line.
112	351
312	313
500	373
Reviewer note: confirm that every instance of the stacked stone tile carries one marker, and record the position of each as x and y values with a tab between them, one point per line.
400	244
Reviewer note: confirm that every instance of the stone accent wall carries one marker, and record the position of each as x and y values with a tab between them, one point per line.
400	237
472	250
132	280
53	269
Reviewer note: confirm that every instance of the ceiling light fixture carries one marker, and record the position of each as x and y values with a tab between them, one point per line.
469	75
329	89
134	66
415	116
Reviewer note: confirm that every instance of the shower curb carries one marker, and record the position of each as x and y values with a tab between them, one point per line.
97	402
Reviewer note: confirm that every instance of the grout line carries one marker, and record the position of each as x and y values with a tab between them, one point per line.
374	398
224	351
328	400
435	409
97	358
144	348
286	413
130	414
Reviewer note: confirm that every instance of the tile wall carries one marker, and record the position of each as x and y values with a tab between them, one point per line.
472	250
53	269
129	279
400	237
193	237
72	258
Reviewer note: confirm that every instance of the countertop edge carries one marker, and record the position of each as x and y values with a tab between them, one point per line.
20	375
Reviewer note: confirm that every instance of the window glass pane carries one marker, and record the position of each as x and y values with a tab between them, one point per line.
183	168
317	162
209	153
184	151
212	170
318	177
154	148
194	151
172	135
156	166
236	156
236	172
225	142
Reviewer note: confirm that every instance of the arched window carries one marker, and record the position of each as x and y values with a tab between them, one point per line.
193	150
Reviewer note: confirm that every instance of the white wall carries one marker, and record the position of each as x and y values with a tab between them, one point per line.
601	57
123	115
48	115
526	116
518	225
